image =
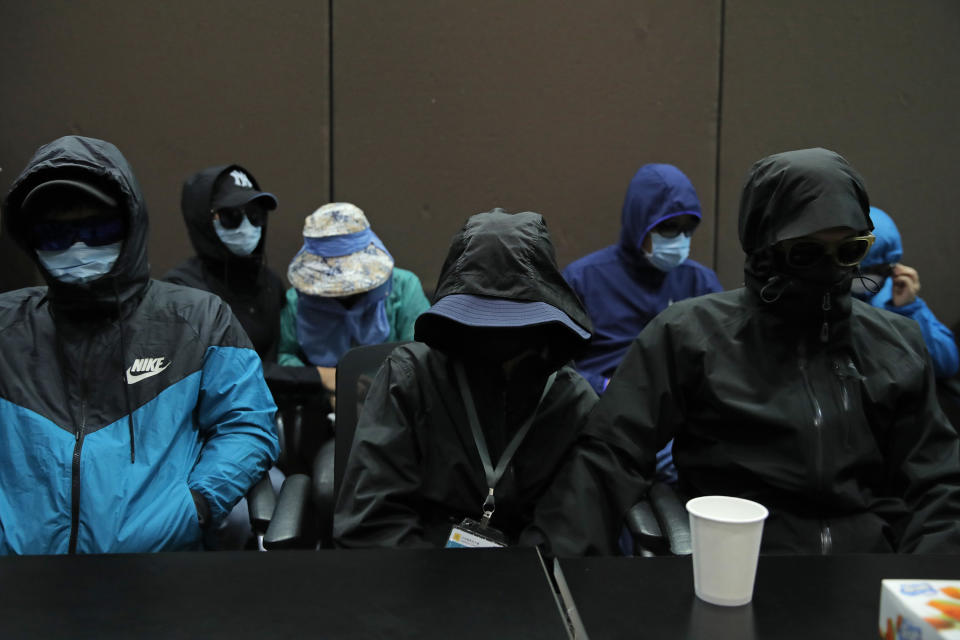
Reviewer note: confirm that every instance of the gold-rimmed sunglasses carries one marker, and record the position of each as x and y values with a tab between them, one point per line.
805	252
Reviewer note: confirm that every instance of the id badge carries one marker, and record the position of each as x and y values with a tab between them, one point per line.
469	534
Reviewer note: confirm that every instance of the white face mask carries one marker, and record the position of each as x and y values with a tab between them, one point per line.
242	240
80	263
668	252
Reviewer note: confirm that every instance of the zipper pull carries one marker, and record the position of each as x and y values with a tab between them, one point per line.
825	305
824	332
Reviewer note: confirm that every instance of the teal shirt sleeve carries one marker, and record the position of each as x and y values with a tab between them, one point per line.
288	352
405	304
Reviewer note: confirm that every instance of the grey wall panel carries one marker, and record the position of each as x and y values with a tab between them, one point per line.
177	86
442	110
875	81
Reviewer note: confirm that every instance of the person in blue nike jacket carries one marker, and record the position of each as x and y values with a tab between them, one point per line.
623	286
898	288
133	412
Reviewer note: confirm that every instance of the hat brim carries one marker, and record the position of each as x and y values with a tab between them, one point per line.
340	276
240	198
52	185
483	311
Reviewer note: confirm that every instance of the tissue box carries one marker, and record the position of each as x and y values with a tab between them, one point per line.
920	610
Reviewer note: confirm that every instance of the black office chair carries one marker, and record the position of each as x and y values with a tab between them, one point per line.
301	495
659	524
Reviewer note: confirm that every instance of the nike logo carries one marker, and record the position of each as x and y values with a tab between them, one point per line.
143	368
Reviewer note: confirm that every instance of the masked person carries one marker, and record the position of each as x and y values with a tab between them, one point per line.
133	413
346	292
467	426
625	285
887	284
787	391
226	215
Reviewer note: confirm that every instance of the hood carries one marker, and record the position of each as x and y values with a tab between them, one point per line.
509	257
656	192
887	247
102	164
789	195
196	206
797	193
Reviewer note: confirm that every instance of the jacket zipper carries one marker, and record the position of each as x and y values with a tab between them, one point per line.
75	470
826	540
75	477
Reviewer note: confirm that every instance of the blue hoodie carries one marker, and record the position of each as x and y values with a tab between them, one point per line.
621	290
888	248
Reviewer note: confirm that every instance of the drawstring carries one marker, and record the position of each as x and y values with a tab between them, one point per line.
874	286
772	282
123	360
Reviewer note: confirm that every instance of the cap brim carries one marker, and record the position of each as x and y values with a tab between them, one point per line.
240	198
482	311
52	185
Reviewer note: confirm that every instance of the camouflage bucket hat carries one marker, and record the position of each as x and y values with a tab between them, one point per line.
341	254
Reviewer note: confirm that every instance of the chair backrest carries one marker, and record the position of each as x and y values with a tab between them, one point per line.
355	371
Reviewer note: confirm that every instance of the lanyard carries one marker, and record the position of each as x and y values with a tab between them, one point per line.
493	475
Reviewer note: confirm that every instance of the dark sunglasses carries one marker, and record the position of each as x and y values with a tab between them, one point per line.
806	252
57	235
674	226
233	218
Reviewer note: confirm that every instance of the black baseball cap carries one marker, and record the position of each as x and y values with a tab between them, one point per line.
235	188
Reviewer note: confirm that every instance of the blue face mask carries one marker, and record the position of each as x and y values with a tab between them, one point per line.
242	240
668	252
326	329
80	263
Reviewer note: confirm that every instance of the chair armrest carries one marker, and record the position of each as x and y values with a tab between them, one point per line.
261	502
672	514
641	522
292	525
323	496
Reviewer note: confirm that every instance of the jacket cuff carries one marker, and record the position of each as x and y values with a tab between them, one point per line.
203	508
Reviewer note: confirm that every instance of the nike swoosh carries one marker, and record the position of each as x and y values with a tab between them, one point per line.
137	377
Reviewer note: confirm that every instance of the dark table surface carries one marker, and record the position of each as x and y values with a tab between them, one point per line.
794	597
396	594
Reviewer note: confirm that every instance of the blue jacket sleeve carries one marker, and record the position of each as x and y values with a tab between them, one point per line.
938	338
235	414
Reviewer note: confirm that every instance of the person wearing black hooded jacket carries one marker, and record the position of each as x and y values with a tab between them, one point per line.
788	392
226	215
496	344
133	412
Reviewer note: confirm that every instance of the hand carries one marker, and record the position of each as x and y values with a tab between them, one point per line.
328	376
906	285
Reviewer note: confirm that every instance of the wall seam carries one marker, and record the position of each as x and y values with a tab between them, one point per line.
716	176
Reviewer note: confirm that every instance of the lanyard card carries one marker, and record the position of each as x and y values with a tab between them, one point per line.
470	534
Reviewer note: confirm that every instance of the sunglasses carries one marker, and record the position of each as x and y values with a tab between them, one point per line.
675	226
233	218
57	235
806	252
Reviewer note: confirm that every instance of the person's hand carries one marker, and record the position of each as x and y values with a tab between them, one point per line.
328	376
906	285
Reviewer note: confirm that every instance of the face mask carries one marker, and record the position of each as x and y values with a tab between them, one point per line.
80	263
240	241
668	252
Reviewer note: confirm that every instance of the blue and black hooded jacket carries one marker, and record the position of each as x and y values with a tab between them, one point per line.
888	248
123	397
621	290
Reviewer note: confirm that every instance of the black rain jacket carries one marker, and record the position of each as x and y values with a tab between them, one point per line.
820	407
254	292
414	470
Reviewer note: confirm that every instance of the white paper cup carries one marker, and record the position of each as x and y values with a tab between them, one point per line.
725	534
